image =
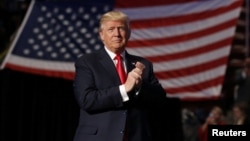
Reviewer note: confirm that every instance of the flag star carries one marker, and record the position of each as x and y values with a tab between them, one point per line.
36	47
65	22
68	10
54	55
63	49
54	38
44	26
70	28
76	50
86	16
67	55
40	36
73	17
36	30
61	17
71	45
45	43
26	51
40	19
74	35
67	40
48	14
79	23
58	44
49	31
93	9
40	53
31	41
79	40
49	49
62	34
43	8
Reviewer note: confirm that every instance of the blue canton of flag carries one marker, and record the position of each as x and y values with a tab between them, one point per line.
54	34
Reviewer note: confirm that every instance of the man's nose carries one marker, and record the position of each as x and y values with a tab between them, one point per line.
117	32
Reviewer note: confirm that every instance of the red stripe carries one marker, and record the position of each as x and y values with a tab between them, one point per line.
139	3
191	70
159	22
192	99
197	87
193	52
50	73
181	38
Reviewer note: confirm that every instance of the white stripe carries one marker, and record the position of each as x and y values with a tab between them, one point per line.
181	29
174	10
206	93
41	64
182	46
191	61
194	78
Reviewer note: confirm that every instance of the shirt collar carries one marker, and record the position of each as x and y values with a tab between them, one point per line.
112	54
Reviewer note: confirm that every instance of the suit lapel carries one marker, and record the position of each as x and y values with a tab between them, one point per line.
130	62
108	65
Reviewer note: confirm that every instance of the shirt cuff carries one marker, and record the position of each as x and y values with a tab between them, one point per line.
123	93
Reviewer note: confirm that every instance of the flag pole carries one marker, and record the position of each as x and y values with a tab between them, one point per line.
16	35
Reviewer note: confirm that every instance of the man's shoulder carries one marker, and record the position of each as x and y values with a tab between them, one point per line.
138	58
91	55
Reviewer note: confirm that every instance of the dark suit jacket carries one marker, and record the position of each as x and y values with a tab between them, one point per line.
103	114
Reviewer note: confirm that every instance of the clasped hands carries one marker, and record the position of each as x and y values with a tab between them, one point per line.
134	78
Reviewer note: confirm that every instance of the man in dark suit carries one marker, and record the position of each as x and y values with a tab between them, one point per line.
112	110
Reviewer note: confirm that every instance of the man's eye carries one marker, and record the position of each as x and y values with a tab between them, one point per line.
122	29
111	29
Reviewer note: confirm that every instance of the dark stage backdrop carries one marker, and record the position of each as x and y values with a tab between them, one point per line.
38	108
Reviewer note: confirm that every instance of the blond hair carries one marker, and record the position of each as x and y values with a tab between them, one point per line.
114	16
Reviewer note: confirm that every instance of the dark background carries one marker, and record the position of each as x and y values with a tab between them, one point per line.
38	108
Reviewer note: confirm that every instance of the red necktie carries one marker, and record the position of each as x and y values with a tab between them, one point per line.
120	69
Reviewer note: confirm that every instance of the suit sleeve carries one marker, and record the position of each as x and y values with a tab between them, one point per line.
151	90
90	91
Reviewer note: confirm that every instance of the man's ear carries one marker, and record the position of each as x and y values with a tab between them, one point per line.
101	35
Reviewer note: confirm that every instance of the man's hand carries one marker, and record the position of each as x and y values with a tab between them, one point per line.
134	78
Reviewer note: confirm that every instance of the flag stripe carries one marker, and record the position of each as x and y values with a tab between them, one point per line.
193	88
47	72
169	20
191	70
181	38
190	52
191	61
135	3
165	11
183	28
194	78
183	46
209	93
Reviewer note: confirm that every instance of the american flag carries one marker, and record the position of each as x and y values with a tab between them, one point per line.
188	41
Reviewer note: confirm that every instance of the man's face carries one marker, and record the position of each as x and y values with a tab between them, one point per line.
114	35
